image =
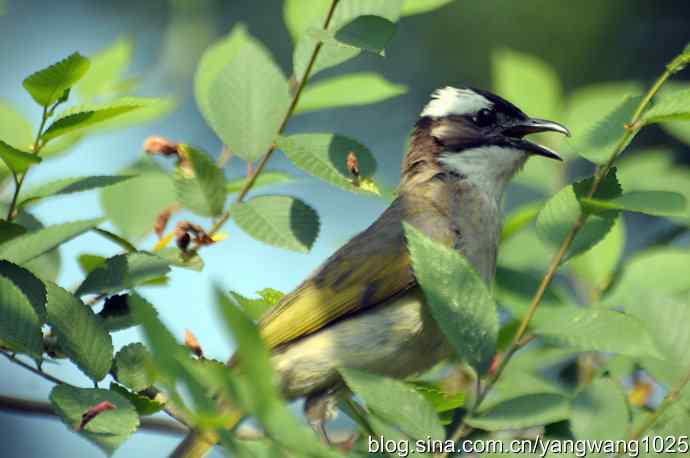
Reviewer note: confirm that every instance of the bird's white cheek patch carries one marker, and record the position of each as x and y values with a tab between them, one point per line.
452	101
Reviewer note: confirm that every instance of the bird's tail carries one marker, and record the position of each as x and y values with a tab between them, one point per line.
198	443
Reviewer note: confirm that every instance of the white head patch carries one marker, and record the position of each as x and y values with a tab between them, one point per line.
452	101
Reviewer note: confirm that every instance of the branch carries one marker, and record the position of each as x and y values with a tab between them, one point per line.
519	340
36	370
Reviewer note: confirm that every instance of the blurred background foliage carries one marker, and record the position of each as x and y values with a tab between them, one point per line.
576	60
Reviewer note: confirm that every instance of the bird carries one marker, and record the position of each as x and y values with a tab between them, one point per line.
363	307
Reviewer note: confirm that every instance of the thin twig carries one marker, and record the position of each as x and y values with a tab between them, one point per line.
35	370
631	130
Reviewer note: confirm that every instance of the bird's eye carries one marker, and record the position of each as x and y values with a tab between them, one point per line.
484	117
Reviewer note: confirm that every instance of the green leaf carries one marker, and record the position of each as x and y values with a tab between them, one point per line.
264	179
69	186
348	90
561	212
325	156
527	81
522	412
109	429
441	400
32	244
17	160
142	403
82	118
254	308
132	366
598	266
48	85
520	218
411	7
600	412
20	327
122	272
367	32
459	299
300	15
177	258
669	108
332	53
202	189
28	284
658	271
45	266
596	144
594	329
282	221
133	216
107	68
659	203
79	332
397	403
15	129
242	94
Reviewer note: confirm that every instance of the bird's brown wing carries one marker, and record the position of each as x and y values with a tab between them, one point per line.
371	268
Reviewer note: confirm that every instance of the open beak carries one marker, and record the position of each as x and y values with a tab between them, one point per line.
519	129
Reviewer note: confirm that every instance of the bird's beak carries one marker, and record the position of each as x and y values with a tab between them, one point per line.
519	129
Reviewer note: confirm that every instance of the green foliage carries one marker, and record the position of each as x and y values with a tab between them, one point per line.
17	160
107	68
597	266
32	244
123	271
411	7
659	203
255	308
600	411
349	90
367	32
74	324
201	188
20	328
282	221
459	299
132	366
70	185
110	428
522	412
14	127
245	99
265	179
675	107
49	85
326	156
396	403
562	211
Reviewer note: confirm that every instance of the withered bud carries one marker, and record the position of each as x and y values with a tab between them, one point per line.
353	164
183	240
162	222
94	411
193	344
160	145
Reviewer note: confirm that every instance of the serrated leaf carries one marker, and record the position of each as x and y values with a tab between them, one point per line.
596	144
517	76
245	98
669	108
396	403
332	53
107	68
412	7
123	271
17	160
459	299
658	203
31	287
82	118
133	216
348	90
254	308
282	221
561	212
326	156
45	266
367	32
48	85
597	266
264	179
69	186
15	129
600	412
300	15
202	190
143	404
20	327
132	366
32	244
522	412
590	329
110	428
75	325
